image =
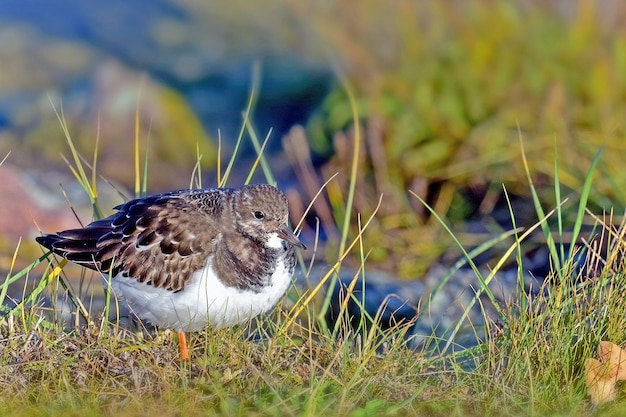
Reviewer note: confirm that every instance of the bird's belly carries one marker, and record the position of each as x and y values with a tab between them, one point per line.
204	300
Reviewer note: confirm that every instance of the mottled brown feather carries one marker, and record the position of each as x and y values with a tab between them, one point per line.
169	222
163	239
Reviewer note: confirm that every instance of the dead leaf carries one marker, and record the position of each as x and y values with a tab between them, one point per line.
603	374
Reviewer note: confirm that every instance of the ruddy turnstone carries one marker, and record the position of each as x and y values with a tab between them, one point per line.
185	259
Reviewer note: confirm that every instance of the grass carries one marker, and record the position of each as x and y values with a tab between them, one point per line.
442	88
291	362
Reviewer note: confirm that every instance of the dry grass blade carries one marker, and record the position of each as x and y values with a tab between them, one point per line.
307	297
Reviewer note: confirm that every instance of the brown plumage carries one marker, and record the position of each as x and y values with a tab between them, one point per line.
162	239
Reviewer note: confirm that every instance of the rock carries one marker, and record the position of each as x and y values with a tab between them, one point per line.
33	202
432	315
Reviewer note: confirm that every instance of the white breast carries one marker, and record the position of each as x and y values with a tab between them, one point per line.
204	300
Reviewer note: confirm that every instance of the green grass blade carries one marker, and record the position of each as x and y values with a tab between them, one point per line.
43	283
260	158
483	247
484	283
5	285
557	198
518	246
540	213
349	201
246	116
332	273
13	278
582	205
79	171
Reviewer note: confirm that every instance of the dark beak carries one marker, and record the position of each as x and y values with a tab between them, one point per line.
288	236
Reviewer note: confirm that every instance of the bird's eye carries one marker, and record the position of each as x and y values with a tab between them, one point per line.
259	214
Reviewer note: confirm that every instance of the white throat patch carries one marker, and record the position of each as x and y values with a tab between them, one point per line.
274	241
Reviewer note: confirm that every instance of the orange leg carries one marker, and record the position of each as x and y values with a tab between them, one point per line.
184	350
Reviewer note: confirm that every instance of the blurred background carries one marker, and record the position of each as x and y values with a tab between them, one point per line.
445	90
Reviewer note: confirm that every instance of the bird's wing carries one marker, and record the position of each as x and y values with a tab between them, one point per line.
159	240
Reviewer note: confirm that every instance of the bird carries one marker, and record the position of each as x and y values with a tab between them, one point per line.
187	259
